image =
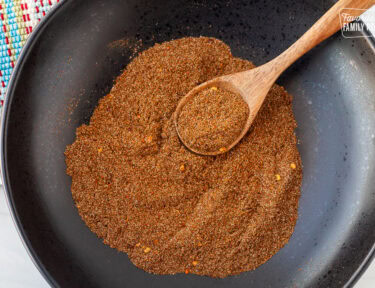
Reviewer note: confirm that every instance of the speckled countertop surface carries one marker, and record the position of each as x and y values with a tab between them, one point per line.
17	269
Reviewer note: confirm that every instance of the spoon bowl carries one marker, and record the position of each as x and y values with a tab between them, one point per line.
236	84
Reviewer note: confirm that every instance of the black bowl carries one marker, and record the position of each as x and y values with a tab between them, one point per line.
70	62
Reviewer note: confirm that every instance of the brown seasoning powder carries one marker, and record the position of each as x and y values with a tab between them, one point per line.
171	211
212	119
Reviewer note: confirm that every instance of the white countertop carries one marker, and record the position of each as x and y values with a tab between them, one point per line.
18	271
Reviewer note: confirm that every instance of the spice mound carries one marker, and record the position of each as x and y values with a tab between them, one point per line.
142	192
212	119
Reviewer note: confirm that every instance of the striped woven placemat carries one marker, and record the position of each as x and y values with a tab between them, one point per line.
17	20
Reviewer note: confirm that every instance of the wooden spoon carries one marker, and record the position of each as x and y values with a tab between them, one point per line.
253	85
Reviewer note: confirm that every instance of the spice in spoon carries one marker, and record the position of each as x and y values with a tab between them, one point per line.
212	120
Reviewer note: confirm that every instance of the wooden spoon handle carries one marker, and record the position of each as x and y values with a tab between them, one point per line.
326	26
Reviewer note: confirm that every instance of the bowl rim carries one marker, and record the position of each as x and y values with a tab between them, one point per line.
37	30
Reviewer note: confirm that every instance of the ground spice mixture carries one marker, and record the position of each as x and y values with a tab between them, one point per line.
212	119
172	211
